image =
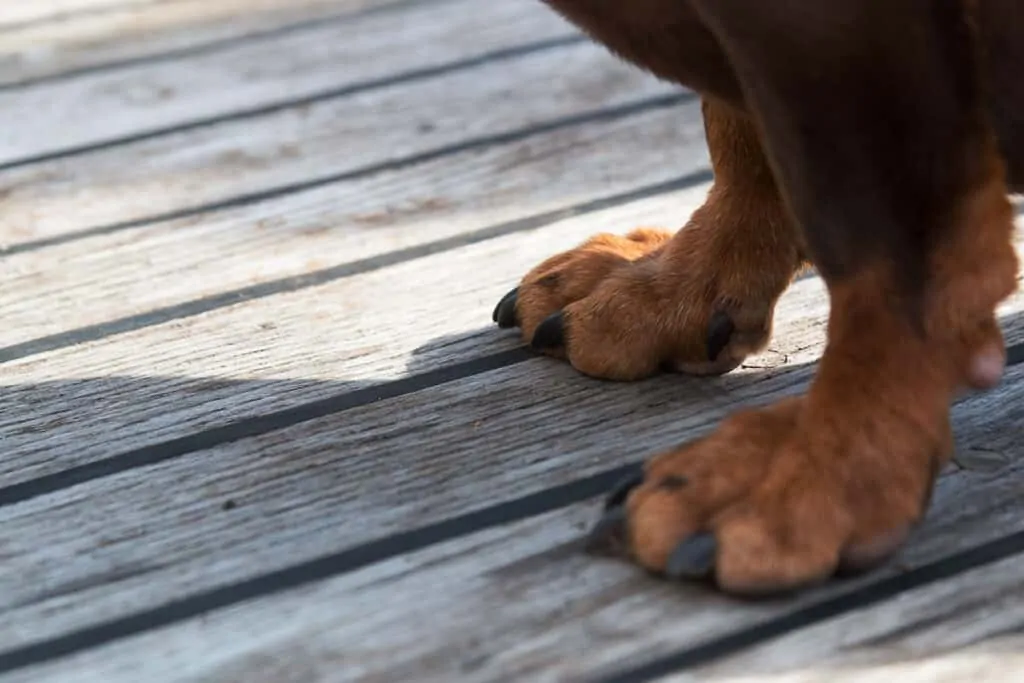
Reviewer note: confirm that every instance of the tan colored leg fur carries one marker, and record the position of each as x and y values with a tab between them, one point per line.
699	301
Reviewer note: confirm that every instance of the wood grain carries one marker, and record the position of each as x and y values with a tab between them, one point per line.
348	478
87	402
551	613
91	401
506	414
97	280
45	118
409	205
965	628
45	11
357	135
42	41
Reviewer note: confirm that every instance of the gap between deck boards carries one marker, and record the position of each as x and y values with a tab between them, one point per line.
273	107
846	602
321	88
510	511
207	47
589	81
507	512
359	556
604	115
268	422
801	616
312	279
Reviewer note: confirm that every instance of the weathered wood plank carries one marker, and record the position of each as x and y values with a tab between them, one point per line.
609	629
376	130
509	603
965	628
85	402
348	478
558	390
44	119
90	281
41	41
45	11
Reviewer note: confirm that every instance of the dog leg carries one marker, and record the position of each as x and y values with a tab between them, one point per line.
871	116
700	301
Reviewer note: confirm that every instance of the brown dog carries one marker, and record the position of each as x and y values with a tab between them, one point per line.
877	139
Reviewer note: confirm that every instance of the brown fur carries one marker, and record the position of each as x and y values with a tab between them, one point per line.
639	304
813	119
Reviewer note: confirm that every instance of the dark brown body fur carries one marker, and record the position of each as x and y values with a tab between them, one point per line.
668	38
877	139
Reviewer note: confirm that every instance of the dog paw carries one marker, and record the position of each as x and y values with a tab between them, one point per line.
776	499
624	308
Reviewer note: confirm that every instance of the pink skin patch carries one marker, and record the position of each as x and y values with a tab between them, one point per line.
987	367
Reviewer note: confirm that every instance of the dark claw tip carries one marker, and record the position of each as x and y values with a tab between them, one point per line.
694	558
505	312
549	334
608	535
720	329
621	490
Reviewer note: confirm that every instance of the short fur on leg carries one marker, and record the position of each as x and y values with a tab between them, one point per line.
699	301
876	124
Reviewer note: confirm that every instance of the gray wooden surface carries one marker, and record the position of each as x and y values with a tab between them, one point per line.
256	423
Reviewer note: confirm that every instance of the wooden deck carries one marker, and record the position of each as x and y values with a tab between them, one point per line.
257	425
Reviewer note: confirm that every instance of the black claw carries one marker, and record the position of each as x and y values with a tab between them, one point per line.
720	329
621	490
505	312
549	334
609	534
694	558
